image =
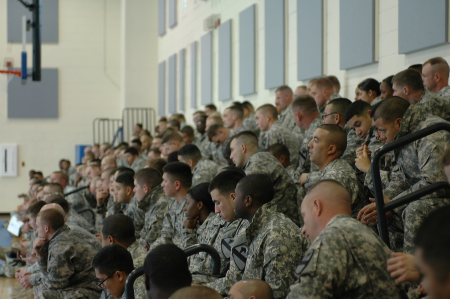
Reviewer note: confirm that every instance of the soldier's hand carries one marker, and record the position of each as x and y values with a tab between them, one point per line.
20	272
37	245
146	247
25	281
303	179
362	214
191	223
421	291
359	150
362	161
402	267
100	195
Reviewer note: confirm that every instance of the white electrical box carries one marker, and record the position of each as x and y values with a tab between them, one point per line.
8	160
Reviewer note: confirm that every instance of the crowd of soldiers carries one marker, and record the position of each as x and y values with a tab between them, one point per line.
283	193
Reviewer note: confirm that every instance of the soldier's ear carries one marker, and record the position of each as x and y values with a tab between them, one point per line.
200	205
332	149
397	123
243	148
190	163
146	188
317	207
248	201
406	90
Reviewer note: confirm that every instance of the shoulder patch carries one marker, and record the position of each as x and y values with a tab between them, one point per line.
304	262
226	247
239	254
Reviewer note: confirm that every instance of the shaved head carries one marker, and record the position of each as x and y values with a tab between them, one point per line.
330	192
250	288
53	206
196	292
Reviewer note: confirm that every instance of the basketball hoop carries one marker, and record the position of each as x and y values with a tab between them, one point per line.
4	80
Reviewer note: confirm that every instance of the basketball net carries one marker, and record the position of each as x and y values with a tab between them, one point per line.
5	78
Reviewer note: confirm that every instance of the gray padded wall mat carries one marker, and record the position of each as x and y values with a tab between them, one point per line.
172	11
162	88
194	75
161	17
206	68
172	84
225	61
182	72
247	53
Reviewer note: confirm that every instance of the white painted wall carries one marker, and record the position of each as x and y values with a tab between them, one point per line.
190	28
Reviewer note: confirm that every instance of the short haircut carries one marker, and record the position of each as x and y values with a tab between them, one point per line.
391	109
246	137
213	130
305	104
171	136
132	150
285	89
172	157
446	156
179	172
279	149
388	81
335	81
232	168
35	208
258	186
52	218
95	163
237	110
188	130
322	83
174	123
120	227
137	141
110	171
139	125
112	258
433	237
148	176
216	118
124	169
63	175
155	150
126	179
357	108
190	151
157	163
211	107
370	84
200	193
336	137
60	200
268	109
409	78
225	182
55	188
247	105
340	105
374	108
439	64
416	67
167	268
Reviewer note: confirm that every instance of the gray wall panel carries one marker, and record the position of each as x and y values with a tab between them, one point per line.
182	88
309	39
161	17
206	68
225	61
274	43
194	75
172	84
34	99
247	54
357	33
49	21
172	13
421	24
162	88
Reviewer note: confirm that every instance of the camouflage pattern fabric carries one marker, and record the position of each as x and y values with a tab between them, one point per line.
445	93
435	105
204	171
137	215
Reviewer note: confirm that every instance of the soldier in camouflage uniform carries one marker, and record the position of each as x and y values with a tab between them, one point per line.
203	142
282	154
270	247
322	91
152	201
177	180
273	131
133	160
283	104
220	231
435	72
233	119
417	165
345	259
203	170
57	249
246	155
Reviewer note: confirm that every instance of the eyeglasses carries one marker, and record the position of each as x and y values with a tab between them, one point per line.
380	131
101	284
325	115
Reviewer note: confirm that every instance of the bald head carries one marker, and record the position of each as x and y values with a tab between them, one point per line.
54	206
249	288
197	292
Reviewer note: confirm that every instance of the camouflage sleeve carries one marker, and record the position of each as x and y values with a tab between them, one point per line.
139	288
368	180
166	235
313	177
35	279
57	271
153	223
223	285
139	221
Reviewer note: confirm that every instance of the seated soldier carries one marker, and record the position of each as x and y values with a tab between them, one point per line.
119	229
203	170
233	119
282	154
283	104
250	289
52	189
416	165
196	292
245	154
322	91
156	142
153	153
336	84
249	117
221	230
218	134
386	90
188	135
202	141
76	199
108	162
124	194
177	180
146	142
300	91
369	91
346	259
216	147
157	163
408	85
273	131
271	245
211	108
65	261
199	208
105	197
435	72
133	160
326	149
166	271
112	265
171	142
151	200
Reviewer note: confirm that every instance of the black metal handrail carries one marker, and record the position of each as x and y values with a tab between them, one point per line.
375	167
129	290
76	190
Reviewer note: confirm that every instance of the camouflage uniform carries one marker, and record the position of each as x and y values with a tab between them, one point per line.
417	165
219	234
250	123
66	268
353	142
173	230
435	105
286	118
445	93
291	171
80	221
204	171
346	260
110	207
137	215
217	154
154	204
76	200
280	134
333	96
203	144
269	249
340	171
137	164
82	234
376	101
285	197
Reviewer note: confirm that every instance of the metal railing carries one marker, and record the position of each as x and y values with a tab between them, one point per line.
107	130
133	116
382	208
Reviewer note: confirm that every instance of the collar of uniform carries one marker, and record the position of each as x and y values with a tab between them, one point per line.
337	217
250	157
133	246
347	129
180	206
149	198
315	123
275	125
335	161
286	111
258	221
370	135
198	162
59	231
411	119
443	90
